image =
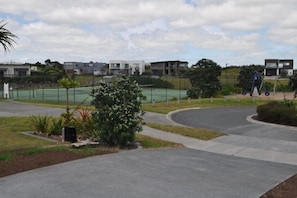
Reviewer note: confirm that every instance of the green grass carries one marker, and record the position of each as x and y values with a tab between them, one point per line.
149	142
164	107
198	133
6	156
11	139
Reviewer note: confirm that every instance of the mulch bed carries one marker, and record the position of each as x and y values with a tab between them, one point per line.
286	189
22	162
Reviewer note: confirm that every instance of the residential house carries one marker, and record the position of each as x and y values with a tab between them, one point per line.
278	67
169	68
85	68
126	67
14	70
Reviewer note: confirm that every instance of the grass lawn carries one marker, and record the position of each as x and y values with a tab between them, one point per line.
201	134
164	107
12	141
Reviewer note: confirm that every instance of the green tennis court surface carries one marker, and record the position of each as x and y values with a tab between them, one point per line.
82	94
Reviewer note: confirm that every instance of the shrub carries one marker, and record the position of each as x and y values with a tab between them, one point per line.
118	115
278	112
227	89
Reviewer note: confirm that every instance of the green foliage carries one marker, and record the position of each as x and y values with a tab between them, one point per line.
269	86
155	82
6	37
149	142
293	83
6	156
278	112
85	124
56	126
204	77
68	83
118	115
41	124
283	88
47	125
227	89
246	74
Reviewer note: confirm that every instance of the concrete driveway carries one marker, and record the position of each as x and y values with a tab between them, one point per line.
166	173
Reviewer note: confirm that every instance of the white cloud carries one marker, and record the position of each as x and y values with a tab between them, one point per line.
230	30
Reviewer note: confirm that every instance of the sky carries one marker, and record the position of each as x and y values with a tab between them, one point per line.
229	32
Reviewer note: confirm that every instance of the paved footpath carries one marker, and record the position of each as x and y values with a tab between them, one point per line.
271	148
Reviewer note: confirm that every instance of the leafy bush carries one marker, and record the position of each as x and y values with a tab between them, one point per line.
283	88
227	89
118	115
278	112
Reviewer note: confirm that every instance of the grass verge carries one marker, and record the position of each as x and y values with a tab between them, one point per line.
149	142
166	107
201	134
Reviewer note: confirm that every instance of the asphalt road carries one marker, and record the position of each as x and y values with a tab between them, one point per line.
233	120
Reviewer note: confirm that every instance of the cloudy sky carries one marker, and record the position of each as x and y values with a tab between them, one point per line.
232	32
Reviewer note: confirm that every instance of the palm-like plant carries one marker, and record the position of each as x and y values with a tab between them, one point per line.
6	37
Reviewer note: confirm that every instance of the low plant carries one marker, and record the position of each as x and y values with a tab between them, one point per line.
84	123
6	156
56	126
278	112
41	124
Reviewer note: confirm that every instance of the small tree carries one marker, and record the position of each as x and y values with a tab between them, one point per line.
204	77
118	115
293	84
68	84
246	74
6	37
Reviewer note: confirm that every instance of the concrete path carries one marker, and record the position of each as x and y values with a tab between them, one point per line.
246	137
166	173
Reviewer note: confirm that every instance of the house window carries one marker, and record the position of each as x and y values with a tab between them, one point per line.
22	73
271	65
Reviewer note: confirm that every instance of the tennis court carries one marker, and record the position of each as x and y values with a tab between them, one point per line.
82	94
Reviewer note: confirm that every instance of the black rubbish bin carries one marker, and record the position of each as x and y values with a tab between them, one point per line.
70	134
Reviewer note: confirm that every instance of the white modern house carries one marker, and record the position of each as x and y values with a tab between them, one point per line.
14	70
127	67
277	67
